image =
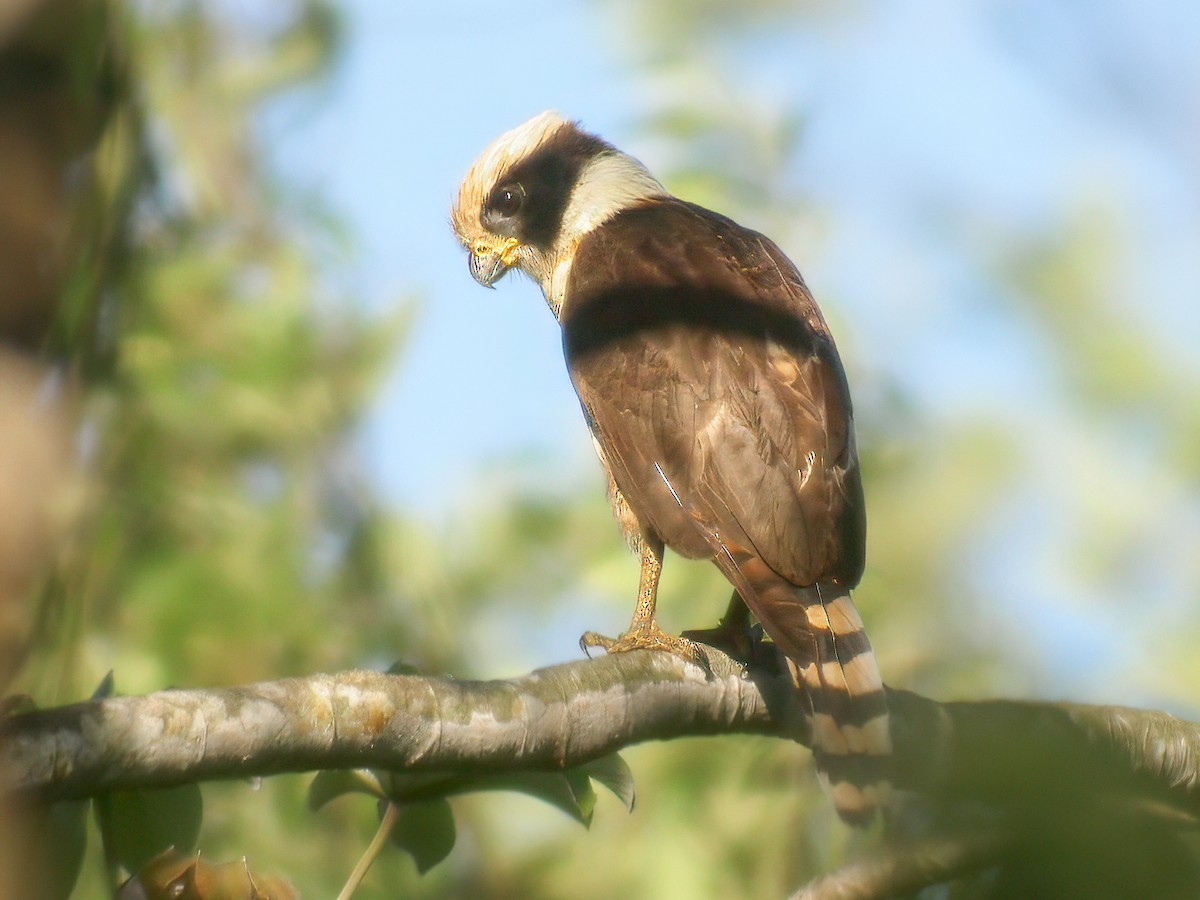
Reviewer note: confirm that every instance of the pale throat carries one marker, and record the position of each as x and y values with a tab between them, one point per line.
610	183
554	288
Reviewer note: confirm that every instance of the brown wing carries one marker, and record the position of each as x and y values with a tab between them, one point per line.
714	390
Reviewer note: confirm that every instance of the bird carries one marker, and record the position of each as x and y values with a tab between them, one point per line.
717	404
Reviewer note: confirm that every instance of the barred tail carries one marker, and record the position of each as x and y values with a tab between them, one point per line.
851	739
821	633
825	641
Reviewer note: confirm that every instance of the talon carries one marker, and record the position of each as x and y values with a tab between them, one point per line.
644	633
590	639
647	638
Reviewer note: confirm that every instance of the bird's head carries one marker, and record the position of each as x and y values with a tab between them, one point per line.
535	192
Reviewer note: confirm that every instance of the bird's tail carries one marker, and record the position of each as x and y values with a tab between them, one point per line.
823	637
820	632
852	743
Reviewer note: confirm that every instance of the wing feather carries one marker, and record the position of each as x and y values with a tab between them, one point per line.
695	347
716	397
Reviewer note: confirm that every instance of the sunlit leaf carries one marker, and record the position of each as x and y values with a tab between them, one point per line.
174	876
614	773
161	876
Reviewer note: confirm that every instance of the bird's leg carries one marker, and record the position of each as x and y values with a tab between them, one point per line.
644	632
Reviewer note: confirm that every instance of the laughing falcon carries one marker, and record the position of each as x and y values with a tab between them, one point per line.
717	404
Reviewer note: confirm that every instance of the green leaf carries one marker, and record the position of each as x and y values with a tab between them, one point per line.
139	825
569	791
614	773
106	687
332	783
426	831
584	794
399	667
415	787
49	843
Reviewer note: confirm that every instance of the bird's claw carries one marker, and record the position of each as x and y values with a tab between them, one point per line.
652	638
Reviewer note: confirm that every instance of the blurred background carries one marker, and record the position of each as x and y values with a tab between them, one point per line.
256	420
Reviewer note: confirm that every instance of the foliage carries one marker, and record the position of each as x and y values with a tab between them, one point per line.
222	532
417	817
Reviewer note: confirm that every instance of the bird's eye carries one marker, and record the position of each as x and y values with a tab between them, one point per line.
506	200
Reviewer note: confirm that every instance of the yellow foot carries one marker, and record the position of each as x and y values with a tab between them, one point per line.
653	638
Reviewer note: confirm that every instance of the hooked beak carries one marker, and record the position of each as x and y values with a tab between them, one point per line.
488	263
487	267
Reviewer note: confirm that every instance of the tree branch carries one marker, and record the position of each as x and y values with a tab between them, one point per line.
993	752
1031	787
908	869
553	718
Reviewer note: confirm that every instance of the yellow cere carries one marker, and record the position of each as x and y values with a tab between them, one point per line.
508	251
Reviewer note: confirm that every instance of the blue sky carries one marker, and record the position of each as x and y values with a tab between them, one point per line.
421	90
915	109
936	131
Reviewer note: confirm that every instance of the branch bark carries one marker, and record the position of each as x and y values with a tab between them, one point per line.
1036	784
552	718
